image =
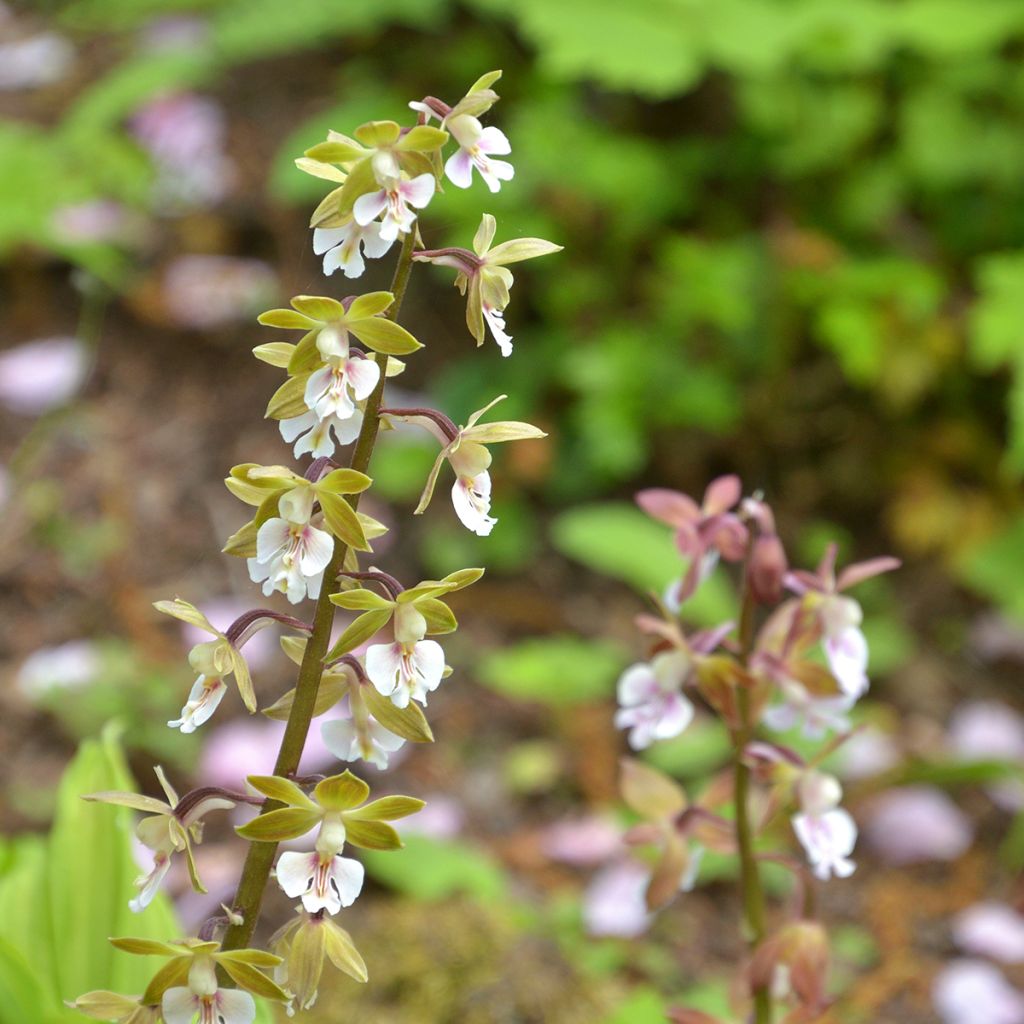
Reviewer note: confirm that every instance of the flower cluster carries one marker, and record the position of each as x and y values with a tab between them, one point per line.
795	657
305	541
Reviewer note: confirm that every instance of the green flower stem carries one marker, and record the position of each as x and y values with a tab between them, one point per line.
751	889
260	857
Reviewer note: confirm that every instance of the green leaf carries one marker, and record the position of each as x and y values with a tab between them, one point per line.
560	670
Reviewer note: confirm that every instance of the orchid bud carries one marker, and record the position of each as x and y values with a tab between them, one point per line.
767	569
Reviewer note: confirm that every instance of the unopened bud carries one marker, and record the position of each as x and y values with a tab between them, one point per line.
768	566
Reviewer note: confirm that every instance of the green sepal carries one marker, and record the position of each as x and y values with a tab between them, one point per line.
306	356
340	518
328	211
371	835
280	825
341	792
384	336
375	134
361	600
335	153
343	481
409	722
341	951
286	319
172	974
333	686
242	543
387	808
359	631
276	353
254	981
289	399
439	616
145	947
283	790
423	138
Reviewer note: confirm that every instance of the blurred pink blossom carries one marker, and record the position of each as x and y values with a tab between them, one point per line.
988	730
96	220
175	32
185	136
993	930
211	291
868	752
67	666
613	904
974	992
248	746
41	375
582	842
442	818
916	823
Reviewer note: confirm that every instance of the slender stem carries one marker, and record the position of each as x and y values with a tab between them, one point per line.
260	857
750	876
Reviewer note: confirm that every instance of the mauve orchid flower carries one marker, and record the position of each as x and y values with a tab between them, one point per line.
41	375
703	532
476	147
394	201
652	704
912	824
991	929
974	992
826	832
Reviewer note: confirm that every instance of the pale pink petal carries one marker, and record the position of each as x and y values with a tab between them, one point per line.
293	426
295	872
179	1005
346	258
637	685
722	494
860	571
328	238
150	884
669	507
847	654
374	245
369	206
317	548
427	664
613	904
383	666
274	535
347	875
234	1006
917	823
494	140
362	375
459	168
419	191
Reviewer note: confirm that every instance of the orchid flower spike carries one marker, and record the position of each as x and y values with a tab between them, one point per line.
484	278
464	448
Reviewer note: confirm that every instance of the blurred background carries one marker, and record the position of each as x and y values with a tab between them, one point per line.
794	249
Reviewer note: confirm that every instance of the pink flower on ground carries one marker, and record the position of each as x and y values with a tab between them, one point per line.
582	842
201	292
917	823
442	818
993	930
703	532
614	902
67	666
974	992
42	375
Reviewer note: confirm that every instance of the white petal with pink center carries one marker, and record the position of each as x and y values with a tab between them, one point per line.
394	203
290	558
203	699
347	742
476	146
225	1006
324	883
652	704
319	437
405	671
828	840
471	497
340	247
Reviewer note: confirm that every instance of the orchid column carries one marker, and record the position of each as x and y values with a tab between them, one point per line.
307	541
